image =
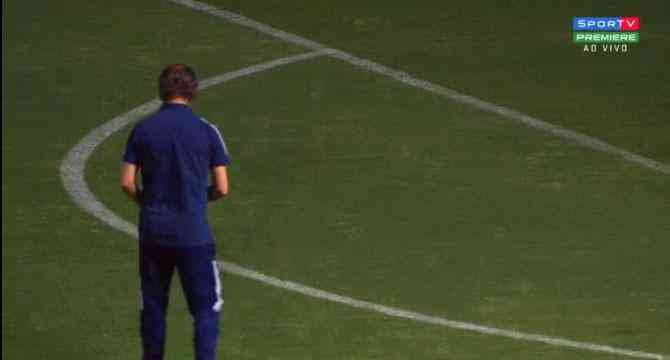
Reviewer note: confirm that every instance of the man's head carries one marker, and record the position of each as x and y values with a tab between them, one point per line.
177	82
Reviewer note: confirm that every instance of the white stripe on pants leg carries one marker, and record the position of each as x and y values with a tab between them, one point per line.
219	299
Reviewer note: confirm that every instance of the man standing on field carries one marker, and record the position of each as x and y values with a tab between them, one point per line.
177	153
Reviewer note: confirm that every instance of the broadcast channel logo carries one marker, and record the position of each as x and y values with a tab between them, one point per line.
630	23
613	34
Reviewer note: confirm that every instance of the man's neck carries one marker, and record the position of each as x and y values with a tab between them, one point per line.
178	100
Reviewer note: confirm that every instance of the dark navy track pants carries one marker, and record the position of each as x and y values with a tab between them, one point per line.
199	277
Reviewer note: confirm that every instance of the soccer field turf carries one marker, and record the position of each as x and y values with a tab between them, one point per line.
349	181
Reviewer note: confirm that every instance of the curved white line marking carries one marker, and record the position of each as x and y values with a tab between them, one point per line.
72	174
482	105
72	167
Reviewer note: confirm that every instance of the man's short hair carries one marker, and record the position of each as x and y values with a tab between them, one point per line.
177	80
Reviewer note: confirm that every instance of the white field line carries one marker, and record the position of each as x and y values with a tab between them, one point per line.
72	174
507	113
434	320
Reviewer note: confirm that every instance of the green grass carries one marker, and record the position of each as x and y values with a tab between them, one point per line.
517	53
339	184
67	278
347	181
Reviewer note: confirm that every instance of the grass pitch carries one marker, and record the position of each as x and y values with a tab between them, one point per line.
348	181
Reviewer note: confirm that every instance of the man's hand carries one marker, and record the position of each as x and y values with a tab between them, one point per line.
219	187
129	181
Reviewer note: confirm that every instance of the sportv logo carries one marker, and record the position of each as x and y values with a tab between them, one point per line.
612	33
629	23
